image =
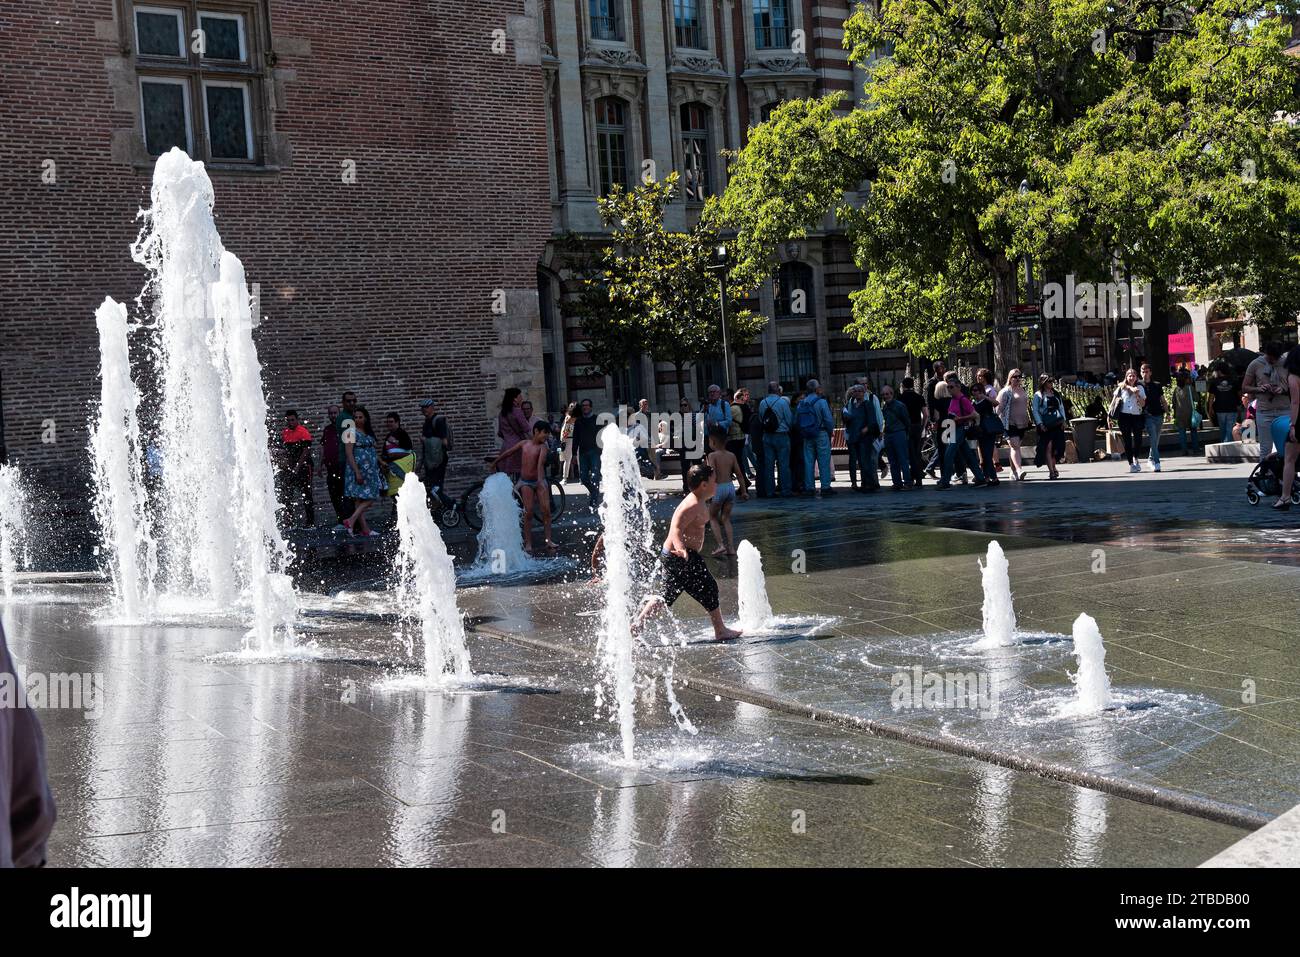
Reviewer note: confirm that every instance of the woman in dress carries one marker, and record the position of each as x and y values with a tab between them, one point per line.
361	481
568	458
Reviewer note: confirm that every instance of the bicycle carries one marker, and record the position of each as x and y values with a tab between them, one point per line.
446	512
470	510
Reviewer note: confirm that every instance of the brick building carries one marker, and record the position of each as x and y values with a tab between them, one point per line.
677	82
382	176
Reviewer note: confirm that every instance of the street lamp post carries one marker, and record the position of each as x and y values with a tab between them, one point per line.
721	260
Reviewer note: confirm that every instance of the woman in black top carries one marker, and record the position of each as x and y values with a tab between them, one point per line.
1227	397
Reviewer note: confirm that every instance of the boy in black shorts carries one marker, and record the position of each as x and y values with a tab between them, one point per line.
683	566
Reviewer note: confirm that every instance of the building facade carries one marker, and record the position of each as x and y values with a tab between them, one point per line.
383	181
639	89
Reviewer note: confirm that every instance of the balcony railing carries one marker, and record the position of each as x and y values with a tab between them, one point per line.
772	37
690	35
606	28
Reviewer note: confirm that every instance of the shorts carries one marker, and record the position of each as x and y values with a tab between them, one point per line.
531	483
689	575
1016	432
725	492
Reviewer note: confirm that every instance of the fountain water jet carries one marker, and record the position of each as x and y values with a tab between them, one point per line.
626	520
426	586
501	539
751	589
221	547
115	450
13	526
999	612
1090	681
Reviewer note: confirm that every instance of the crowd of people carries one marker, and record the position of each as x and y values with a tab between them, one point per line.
949	431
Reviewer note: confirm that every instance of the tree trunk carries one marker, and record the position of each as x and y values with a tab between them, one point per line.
681	381
1005	295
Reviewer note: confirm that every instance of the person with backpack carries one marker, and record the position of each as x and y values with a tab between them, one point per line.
861	418
435	450
736	430
1049	419
816	425
1187	417
755	450
962	417
776	418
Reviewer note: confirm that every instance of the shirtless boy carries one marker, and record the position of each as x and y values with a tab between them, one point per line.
532	481
728	473
683	567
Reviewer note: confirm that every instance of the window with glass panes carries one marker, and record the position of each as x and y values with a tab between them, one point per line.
197	69
689	24
611	143
696	152
796	363
793	291
771	24
606	19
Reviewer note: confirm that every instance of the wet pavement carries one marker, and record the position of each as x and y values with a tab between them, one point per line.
220	761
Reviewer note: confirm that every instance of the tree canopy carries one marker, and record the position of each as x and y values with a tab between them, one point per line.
653	290
1151	137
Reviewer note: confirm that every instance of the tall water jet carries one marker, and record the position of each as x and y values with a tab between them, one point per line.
13	526
501	539
220	546
426	586
999	611
626	520
751	589
121	499
1092	686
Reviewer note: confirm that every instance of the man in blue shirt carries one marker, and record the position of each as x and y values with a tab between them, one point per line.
775	414
815	421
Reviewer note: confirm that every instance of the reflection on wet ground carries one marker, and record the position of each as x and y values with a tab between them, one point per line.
306	762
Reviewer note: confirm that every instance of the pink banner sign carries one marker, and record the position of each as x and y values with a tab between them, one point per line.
1182	344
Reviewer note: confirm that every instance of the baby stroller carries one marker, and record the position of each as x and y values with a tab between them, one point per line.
1266	479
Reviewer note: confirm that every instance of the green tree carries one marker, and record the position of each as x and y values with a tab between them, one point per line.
652	290
1146	133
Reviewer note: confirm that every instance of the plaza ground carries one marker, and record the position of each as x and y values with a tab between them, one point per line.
202	760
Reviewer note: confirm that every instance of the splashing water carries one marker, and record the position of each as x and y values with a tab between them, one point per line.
999	611
115	450
626	519
751	589
1090	681
13	526
501	539
426	586
220	546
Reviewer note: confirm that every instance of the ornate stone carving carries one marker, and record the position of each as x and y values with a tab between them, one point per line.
597	84
621	57
696	63
711	93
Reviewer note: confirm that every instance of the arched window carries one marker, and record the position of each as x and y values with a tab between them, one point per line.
793	291
771	24
689	24
611	143
696	152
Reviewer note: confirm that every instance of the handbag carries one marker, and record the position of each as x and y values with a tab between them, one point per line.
991	425
1196	416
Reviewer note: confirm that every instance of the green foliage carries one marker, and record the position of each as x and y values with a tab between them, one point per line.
1147	133
652	290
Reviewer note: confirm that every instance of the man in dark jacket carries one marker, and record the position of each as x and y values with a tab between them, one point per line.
26	805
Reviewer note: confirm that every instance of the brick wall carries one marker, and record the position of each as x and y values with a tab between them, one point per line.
384	286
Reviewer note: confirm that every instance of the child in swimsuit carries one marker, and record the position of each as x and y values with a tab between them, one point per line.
728	471
532	482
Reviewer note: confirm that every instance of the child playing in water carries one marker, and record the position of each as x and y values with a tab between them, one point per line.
728	472
532	481
683	567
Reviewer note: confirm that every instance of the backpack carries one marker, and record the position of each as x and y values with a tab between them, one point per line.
435	446
771	421
807	420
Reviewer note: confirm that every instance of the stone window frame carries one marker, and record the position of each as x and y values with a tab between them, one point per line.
712	96
706	17
625	23
253	73
625	86
810	294
628	178
794	10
